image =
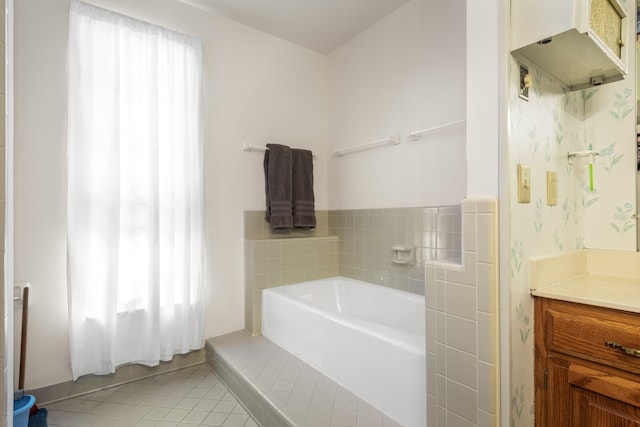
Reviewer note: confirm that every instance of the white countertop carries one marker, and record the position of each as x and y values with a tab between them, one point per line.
598	290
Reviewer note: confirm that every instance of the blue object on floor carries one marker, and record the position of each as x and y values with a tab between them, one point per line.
21	408
39	419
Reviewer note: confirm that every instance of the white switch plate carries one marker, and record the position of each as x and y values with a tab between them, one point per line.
524	184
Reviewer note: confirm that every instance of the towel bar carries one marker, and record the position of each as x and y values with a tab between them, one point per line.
391	140
261	148
416	135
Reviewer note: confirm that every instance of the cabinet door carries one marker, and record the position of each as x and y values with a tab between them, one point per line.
601	399
606	21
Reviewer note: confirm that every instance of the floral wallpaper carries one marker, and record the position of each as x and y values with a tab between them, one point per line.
611	120
542	131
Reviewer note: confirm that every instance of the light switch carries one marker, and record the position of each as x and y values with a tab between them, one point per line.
552	188
524	184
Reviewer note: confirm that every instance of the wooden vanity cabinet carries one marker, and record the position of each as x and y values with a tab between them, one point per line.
587	365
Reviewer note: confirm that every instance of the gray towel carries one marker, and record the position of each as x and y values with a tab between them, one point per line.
304	214
278	186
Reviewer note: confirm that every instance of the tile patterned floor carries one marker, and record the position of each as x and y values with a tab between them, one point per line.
187	397
299	392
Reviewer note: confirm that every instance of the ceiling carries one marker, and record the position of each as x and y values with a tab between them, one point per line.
319	25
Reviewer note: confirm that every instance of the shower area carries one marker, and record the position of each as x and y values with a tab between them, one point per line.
455	269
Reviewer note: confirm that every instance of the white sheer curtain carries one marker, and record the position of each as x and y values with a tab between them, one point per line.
136	261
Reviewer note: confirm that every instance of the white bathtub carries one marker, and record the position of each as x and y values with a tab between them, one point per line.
368	338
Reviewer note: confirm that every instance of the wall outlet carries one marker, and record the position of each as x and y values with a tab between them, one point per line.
524	184
552	188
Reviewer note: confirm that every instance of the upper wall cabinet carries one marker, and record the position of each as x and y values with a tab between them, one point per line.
581	42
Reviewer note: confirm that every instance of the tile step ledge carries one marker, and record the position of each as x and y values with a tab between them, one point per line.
278	389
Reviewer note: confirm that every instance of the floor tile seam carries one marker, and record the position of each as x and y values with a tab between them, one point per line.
239	402
274	408
316	389
260	390
282	409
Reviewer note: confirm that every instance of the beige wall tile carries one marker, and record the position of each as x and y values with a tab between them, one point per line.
487	206
3	125
441	390
430	288
487	235
469	206
469	233
487	420
441	295
467	276
3	191
432	410
89	383
461	334
51	393
462	367
488	343
430	330
2	21
487	385
462	401
487	288
461	300
441	364
441	328
455	420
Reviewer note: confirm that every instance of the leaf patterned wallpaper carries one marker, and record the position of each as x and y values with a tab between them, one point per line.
542	131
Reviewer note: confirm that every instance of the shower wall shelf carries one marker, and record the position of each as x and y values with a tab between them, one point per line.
388	141
404	254
260	148
416	135
578	155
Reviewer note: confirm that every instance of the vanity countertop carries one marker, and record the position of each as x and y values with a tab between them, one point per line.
602	278
603	291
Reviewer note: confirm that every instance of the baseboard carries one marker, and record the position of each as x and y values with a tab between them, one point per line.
123	375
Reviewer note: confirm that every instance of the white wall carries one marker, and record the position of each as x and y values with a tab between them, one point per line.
486	77
403	74
257	88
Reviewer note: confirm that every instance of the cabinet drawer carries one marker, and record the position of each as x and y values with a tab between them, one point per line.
584	331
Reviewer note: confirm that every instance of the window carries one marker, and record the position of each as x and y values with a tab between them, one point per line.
136	254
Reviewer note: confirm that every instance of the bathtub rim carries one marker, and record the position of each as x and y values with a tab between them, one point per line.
409	341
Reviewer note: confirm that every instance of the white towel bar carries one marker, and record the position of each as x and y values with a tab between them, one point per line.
261	148
388	141
416	135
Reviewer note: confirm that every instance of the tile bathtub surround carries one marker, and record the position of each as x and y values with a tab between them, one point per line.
367	235
358	246
462	326
256	228
277	262
280	390
276	258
